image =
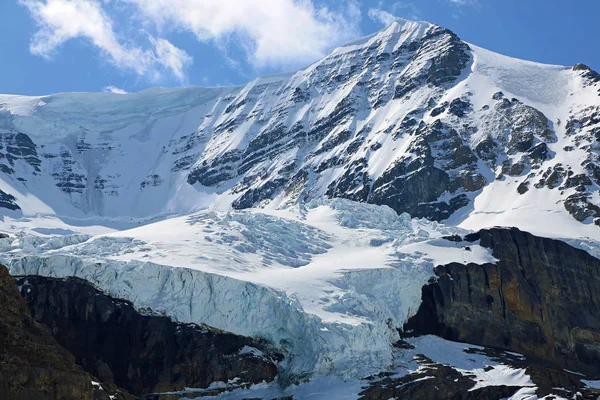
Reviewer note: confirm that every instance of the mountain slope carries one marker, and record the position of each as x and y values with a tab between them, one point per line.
410	117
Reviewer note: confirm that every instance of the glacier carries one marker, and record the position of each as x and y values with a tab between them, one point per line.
337	311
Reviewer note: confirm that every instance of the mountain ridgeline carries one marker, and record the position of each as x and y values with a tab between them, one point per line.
411	117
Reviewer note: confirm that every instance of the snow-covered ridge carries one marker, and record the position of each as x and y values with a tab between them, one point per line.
376	112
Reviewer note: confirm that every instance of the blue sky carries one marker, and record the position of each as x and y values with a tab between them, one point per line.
49	46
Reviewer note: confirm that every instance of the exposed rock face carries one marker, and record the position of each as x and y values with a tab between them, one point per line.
33	366
141	353
8	201
587	72
540	299
416	181
17	146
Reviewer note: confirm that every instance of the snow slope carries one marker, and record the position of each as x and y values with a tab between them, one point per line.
555	91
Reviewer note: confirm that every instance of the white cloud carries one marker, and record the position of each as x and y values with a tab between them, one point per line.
399	8
273	32
171	57
114	89
62	20
383	17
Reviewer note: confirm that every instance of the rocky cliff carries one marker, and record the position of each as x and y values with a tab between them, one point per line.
541	299
141	353
33	366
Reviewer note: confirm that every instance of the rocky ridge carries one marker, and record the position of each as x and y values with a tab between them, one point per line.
435	380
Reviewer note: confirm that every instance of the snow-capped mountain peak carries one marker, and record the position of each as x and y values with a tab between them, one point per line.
410	117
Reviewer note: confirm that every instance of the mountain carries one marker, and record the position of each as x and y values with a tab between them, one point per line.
410	117
314	209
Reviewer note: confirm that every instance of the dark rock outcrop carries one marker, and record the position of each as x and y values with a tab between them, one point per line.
540	299
69	177
459	107
32	364
580	207
433	380
587	72
15	147
415	184
141	353
8	201
404	193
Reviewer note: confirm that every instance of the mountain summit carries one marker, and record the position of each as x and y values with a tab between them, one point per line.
411	117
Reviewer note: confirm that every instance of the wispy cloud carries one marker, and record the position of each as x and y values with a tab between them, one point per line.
59	21
386	15
464	2
383	17
171	57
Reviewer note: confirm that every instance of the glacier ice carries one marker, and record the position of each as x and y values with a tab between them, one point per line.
308	279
